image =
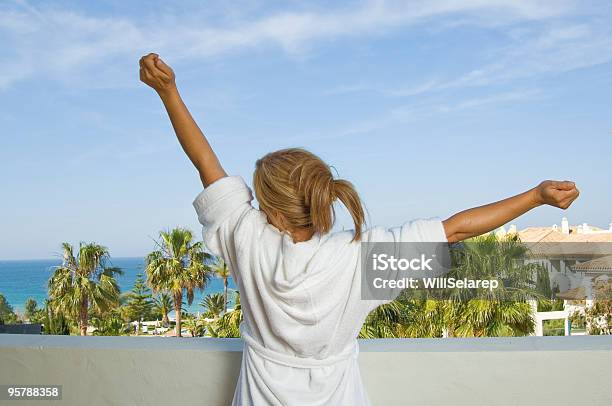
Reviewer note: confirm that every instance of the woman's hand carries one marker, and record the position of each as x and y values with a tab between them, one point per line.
556	193
155	73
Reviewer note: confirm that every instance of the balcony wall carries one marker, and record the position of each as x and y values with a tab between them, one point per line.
161	371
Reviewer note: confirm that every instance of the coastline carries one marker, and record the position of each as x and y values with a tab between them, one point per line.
22	279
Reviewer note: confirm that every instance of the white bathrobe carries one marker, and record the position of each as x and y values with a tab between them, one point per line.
301	301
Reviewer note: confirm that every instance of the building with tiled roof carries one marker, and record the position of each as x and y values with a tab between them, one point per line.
570	253
566	233
579	262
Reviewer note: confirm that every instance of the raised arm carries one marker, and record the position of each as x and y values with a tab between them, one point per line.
155	73
483	219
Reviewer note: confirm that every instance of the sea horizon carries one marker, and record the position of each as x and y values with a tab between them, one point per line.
59	255
21	279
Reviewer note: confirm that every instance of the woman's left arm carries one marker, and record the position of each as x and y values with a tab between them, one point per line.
480	220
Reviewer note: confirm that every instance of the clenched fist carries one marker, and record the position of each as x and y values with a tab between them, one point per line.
155	73
556	193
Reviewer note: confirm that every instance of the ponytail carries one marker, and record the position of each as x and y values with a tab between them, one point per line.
347	194
319	196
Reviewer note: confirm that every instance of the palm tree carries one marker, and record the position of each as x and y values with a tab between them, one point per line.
110	325
383	321
177	266
195	326
228	326
163	305
462	312
222	271
494	318
501	312
214	305
54	324
426	318
84	281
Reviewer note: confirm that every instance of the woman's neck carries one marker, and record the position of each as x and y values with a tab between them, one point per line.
301	234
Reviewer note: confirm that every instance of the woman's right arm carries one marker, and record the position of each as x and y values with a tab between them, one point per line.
155	73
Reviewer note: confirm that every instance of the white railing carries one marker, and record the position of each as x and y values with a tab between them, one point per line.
162	371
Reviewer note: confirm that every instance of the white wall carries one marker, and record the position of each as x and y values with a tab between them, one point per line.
155	371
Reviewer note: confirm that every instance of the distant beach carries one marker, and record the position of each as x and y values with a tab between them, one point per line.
23	279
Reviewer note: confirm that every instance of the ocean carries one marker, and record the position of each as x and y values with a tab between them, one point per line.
23	279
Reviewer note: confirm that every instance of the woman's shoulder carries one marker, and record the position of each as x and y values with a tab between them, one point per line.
347	235
418	229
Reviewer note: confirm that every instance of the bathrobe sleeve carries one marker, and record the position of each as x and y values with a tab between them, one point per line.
429	230
225	212
413	238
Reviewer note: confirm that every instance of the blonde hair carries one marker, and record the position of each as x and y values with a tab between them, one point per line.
298	185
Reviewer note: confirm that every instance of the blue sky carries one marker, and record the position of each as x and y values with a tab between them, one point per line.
427	107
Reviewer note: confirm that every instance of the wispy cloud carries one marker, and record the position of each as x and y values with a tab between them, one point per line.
548	50
56	41
424	110
554	51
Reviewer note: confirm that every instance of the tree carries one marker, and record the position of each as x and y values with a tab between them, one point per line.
139	303
110	324
31	309
543	284
82	282
32	313
228	326
599	316
163	306
499	312
178	267
55	324
7	314
463	312
195	326
214	305
222	271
